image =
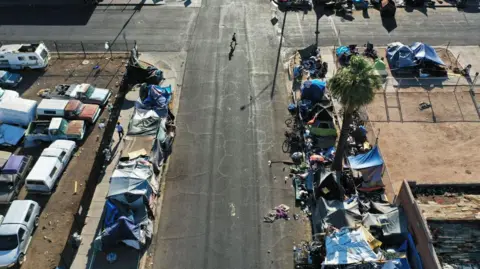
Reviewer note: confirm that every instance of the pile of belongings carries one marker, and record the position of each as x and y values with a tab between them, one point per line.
295	5
155	97
418	56
311	62
129	207
139	72
344	53
279	212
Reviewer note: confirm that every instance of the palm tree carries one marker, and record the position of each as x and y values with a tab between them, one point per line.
353	86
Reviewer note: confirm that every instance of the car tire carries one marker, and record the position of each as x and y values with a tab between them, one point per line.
36	221
20	259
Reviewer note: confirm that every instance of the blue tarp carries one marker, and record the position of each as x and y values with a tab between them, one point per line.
402	56
371	166
367	160
396	264
424	52
309	181
158	97
111	214
342	50
313	90
10	135
123	229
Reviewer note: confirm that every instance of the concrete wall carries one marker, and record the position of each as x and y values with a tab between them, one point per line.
418	227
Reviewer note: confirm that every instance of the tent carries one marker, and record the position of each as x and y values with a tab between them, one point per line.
336	213
400	56
162	145
327	185
132	189
426	53
348	247
143	122
154	97
313	90
393	225
124	230
370	164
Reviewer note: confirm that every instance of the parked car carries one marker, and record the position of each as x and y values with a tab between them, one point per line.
16	232
68	109
8	94
49	167
54	129
84	92
18	111
12	175
9	80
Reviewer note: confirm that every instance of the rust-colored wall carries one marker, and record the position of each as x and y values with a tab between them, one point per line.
418	227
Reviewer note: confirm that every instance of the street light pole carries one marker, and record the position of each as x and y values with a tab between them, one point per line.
278	55
316	34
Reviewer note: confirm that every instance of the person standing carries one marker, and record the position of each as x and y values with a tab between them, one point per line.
234	38
119	128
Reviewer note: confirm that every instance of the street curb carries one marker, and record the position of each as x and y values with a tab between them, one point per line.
165	167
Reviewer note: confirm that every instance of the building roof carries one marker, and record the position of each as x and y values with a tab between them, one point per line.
452	213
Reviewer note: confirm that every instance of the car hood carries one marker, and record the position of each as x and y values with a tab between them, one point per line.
100	94
76	127
88	112
8	256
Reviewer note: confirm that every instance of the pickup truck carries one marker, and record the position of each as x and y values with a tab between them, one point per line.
16	232
68	109
13	172
49	167
84	92
56	128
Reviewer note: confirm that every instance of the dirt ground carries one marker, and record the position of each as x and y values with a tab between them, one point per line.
430	152
59	208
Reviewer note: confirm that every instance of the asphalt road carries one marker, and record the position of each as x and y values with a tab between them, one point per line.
219	185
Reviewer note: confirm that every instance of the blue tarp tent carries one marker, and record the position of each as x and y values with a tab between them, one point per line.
342	50
10	135
124	230
370	165
313	90
111	214
400	56
424	52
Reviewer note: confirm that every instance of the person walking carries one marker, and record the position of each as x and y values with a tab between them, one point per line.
119	128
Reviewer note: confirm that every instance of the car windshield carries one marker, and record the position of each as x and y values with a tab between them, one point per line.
8	242
44	54
89	91
5	76
79	109
5	186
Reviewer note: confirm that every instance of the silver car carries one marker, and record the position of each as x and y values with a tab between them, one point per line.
16	232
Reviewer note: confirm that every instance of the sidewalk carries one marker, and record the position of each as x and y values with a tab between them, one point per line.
129	258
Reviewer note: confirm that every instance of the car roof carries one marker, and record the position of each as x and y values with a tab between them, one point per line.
63	144
52	104
42	168
17	211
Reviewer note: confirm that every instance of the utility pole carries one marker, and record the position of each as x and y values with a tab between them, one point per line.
278	55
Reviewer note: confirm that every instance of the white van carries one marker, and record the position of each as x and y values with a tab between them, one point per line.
18	111
49	167
24	56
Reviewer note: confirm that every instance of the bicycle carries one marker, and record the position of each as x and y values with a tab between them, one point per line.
290	139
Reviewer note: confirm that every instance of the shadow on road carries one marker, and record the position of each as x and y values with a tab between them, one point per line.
78	15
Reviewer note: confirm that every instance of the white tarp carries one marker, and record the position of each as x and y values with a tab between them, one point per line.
348	247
